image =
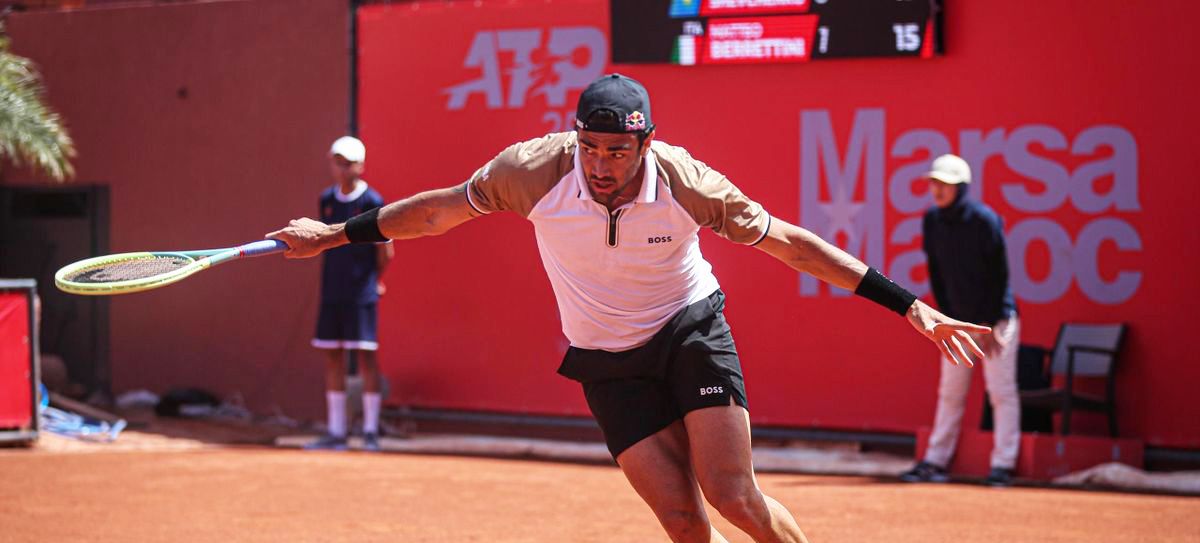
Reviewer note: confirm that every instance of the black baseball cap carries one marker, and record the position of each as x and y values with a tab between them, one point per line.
614	104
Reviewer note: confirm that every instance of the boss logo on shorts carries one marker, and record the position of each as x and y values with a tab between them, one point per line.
658	239
705	391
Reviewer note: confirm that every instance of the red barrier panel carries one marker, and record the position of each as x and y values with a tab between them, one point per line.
1075	125
1043	457
17	373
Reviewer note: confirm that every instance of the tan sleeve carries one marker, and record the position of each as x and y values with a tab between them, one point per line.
521	174
710	198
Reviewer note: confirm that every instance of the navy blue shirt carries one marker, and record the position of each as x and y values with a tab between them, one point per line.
349	273
968	267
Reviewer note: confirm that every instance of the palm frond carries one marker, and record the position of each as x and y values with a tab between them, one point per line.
30	131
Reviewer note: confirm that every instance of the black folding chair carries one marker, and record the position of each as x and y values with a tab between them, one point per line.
1084	350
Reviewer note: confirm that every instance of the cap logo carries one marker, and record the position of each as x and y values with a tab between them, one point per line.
635	121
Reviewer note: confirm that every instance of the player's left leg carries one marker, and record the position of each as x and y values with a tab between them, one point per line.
719	439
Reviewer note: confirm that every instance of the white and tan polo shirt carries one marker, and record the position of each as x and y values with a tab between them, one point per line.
620	276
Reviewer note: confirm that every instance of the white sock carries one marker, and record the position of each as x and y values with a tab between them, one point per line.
371	401
335	406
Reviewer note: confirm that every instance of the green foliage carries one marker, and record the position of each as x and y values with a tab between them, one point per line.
29	130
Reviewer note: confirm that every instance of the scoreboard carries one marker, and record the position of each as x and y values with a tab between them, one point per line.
698	32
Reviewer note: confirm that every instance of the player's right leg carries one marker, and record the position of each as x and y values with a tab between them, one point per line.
644	433
719	441
660	471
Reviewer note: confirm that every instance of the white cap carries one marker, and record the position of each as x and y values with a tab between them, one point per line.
350	148
950	169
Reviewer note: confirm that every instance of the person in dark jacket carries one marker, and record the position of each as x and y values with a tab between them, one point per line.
968	272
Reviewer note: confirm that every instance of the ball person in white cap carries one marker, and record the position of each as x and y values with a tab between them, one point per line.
350	290
968	271
617	217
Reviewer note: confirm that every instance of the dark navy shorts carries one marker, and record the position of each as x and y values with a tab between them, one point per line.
346	326
690	364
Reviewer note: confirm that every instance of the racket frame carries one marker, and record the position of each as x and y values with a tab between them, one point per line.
200	260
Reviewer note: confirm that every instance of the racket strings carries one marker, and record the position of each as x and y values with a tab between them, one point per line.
128	270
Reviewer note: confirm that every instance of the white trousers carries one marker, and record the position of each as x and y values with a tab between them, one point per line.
1000	375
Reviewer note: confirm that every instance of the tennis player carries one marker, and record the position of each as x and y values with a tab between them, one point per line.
617	217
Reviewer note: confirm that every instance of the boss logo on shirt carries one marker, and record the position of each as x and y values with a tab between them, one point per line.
705	391
658	239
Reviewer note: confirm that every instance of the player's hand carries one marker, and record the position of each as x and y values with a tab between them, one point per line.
952	337
380	289
307	237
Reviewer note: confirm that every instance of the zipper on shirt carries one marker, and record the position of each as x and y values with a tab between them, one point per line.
612	226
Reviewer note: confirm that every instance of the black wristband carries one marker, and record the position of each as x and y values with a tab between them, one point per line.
881	290
364	228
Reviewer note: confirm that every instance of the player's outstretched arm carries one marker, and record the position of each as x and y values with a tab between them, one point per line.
806	252
428	213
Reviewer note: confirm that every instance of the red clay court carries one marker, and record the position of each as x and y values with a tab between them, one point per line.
152	488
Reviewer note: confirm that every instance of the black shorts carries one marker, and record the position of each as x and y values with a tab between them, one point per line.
347	326
691	363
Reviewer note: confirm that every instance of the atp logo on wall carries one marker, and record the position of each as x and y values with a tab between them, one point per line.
524	68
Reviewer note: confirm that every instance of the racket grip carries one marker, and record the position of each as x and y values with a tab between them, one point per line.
264	247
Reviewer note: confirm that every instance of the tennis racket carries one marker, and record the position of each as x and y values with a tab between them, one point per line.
134	272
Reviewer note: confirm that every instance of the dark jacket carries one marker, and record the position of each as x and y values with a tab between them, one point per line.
968	267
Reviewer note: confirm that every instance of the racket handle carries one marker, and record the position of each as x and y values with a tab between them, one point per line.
264	247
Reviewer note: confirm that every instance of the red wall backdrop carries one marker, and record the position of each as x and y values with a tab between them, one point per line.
209	122
1076	116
